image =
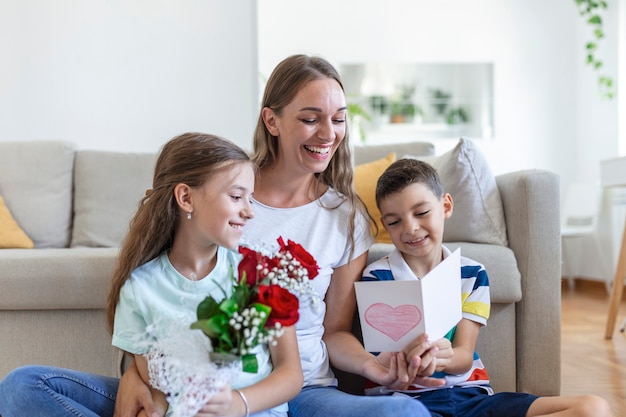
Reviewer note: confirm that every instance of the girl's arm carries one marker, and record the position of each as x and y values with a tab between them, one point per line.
280	386
158	397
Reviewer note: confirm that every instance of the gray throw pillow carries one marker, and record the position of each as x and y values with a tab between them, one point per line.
478	214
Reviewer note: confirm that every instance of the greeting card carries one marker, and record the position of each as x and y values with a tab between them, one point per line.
393	313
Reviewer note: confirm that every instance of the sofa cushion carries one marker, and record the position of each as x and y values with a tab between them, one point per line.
36	184
478	214
56	278
11	235
365	178
107	189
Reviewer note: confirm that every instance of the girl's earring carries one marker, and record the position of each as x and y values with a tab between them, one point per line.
188	215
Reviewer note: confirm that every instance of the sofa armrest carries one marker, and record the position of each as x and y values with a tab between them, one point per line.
77	278
531	201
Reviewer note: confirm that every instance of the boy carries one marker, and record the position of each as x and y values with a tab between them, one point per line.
414	207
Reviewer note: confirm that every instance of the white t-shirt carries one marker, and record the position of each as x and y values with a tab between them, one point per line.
323	232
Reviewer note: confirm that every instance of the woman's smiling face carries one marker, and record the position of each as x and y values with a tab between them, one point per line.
311	127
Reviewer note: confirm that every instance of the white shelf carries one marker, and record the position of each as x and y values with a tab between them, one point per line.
613	172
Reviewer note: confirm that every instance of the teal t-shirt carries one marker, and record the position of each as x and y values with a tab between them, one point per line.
157	295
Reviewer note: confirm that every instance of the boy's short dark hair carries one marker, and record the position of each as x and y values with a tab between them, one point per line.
405	172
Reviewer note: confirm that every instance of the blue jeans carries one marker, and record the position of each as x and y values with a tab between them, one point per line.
55	392
320	401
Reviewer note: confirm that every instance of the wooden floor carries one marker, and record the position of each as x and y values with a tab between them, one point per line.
591	363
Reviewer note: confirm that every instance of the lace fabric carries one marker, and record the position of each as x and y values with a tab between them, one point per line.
180	366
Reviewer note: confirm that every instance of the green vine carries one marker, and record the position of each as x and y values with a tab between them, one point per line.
589	10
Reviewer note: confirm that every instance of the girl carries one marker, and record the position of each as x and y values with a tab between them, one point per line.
179	250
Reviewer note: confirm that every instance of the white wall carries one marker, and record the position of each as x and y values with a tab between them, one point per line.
547	114
127	75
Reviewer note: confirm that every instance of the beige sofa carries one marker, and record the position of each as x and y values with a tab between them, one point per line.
76	204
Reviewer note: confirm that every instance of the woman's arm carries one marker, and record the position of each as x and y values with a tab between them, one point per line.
158	397
344	349
133	395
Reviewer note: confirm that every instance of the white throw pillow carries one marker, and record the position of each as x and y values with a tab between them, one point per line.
478	214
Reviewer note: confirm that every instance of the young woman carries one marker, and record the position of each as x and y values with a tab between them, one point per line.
304	191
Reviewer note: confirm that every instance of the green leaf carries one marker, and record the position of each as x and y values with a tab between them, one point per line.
590	59
355	109
241	294
604	80
229	306
213	327
207	308
263	308
591	46
225	342
595	20
597	64
599	34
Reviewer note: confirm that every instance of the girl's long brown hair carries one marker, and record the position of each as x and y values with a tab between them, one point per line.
288	78
191	159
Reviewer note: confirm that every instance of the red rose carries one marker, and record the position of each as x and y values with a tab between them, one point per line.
298	252
283	303
254	265
247	265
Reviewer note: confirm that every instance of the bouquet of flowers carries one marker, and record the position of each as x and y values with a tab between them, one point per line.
261	302
190	366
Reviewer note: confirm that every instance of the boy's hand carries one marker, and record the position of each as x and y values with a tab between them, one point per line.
424	365
398	370
445	354
421	356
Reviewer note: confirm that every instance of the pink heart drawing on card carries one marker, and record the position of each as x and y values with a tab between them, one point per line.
394	322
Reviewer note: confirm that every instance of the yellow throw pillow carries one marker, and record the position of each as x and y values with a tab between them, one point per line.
11	236
365	178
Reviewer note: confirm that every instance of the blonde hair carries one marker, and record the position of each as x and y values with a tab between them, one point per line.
191	158
288	78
